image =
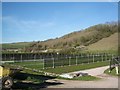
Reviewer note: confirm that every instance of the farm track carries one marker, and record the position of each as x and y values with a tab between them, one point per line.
106	81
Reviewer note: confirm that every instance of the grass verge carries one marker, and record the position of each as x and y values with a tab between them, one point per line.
113	72
82	78
67	69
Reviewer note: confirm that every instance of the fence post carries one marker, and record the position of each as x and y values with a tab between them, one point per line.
5	57
43	63
81	55
88	58
21	57
34	57
106	57
66	58
93	58
76	60
13	58
102	57
69	60
53	63
27	58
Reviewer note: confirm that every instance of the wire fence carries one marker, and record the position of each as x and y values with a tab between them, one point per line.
76	59
52	60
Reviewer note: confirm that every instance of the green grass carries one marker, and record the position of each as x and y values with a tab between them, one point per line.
27	63
113	72
38	78
16	45
86	78
60	70
67	69
30	64
34	79
82	78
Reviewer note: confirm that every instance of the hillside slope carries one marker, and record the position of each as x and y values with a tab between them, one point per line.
84	37
97	37
16	45
109	43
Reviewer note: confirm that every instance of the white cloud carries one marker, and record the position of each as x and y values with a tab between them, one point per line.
25	25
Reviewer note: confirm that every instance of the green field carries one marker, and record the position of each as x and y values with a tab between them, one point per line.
16	45
72	68
59	70
30	64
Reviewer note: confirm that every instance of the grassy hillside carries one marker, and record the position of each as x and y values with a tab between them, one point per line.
109	43
97	37
16	45
85	38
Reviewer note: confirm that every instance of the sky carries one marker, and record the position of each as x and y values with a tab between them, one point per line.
38	21
60	0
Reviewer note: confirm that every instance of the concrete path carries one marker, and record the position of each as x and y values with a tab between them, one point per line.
106	81
94	71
